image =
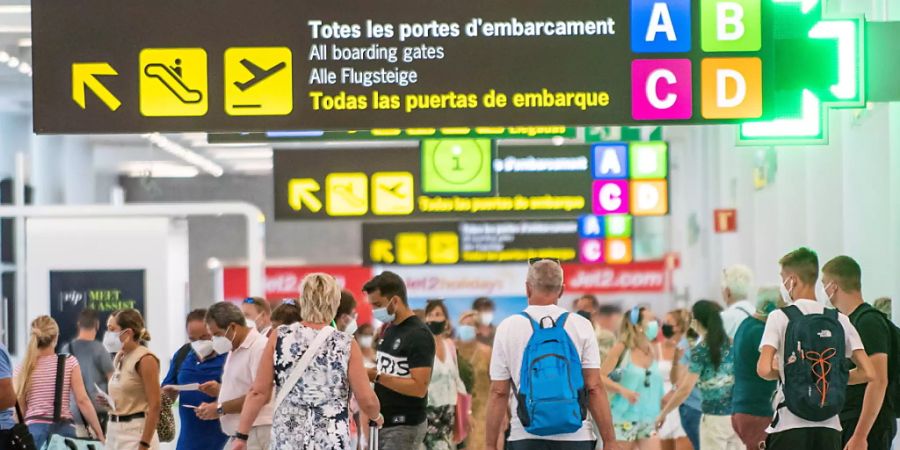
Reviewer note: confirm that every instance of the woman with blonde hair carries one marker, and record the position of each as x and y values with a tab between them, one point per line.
639	389
35	383
134	386
315	369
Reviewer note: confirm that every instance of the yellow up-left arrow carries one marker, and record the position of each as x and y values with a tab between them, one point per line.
301	191
84	77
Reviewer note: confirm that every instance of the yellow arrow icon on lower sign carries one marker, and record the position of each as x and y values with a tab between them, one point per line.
301	192
381	251
84	77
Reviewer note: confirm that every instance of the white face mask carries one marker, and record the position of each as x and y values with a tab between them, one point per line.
351	327
221	344
202	348
250	323
365	341
111	341
486	318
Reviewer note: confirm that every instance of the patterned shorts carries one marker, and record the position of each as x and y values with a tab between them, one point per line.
633	431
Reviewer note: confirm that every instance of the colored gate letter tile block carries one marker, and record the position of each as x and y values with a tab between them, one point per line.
609	161
618	226
731	88
590	226
618	251
649	160
730	25
661	89
660	26
649	197
610	197
591	251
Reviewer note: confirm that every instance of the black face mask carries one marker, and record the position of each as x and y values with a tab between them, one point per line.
437	327
668	331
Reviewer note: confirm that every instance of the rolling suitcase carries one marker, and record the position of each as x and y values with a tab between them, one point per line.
373	435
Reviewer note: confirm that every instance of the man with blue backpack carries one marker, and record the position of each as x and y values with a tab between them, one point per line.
868	414
549	361
805	347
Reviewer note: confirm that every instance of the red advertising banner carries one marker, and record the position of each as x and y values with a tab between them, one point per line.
649	276
284	282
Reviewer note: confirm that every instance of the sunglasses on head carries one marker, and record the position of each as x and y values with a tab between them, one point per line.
248	300
533	261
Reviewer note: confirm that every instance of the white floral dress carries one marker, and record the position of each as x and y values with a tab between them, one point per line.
315	414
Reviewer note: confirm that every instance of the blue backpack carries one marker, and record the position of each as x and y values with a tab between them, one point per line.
551	395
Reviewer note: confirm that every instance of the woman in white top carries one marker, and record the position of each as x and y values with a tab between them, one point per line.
445	382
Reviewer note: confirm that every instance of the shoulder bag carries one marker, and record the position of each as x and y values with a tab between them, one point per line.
60	442
303	364
19	437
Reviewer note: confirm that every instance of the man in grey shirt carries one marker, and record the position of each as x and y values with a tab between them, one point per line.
96	364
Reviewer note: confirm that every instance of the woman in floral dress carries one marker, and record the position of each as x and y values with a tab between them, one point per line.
315	413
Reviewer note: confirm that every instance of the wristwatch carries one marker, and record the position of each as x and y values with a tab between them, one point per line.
220	410
241	436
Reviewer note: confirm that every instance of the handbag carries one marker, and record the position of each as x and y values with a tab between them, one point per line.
19	436
58	441
463	399
307	357
165	428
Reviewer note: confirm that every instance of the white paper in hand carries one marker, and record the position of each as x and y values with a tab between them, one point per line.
106	397
186	387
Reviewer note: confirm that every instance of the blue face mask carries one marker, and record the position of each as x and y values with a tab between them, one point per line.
383	315
651	330
465	332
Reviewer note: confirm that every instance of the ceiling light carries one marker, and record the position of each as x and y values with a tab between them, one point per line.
4	56
157	169
25	68
241	153
15	9
13	62
25	42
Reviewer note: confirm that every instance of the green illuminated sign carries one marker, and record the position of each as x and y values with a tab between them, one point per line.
457	166
819	66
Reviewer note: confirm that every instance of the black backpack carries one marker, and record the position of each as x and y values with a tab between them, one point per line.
892	396
816	370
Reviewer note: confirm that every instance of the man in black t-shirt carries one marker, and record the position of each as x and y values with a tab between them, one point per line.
403	364
867	418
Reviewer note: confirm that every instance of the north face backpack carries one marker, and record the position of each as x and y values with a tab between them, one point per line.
893	391
551	395
815	367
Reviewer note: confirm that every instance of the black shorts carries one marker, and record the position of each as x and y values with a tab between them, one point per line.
880	436
540	444
819	438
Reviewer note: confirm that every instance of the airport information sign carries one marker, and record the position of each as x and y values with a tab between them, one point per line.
234	66
473	178
589	240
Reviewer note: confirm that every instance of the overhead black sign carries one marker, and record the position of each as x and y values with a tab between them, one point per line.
469	242
442	179
104	291
233	65
470	178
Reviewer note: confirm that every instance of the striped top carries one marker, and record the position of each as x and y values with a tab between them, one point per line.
43	386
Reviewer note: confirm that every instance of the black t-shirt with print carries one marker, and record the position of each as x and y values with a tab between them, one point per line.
403	347
876	338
